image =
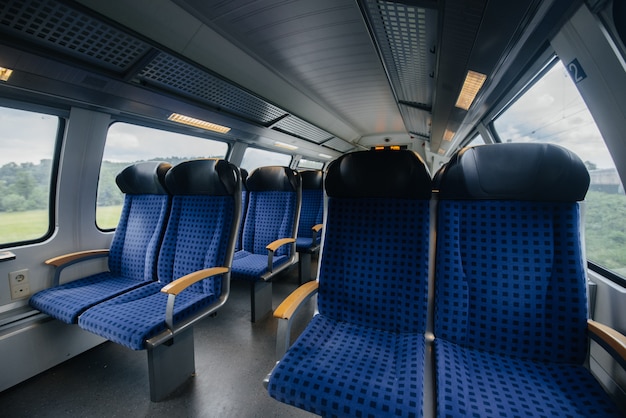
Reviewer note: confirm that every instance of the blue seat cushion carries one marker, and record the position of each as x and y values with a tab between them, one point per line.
476	383
248	266
134	317
340	369
304	244
67	301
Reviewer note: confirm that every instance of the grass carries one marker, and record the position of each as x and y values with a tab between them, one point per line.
33	224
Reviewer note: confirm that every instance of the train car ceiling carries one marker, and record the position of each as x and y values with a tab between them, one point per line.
328	76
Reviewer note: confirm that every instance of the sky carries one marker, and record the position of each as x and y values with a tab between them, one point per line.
550	111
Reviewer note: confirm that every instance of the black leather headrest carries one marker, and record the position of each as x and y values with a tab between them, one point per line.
514	171
392	174
203	177
312	179
275	178
143	178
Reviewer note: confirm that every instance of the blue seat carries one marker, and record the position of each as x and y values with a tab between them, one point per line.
132	254
193	274
310	223
511	322
363	353
269	232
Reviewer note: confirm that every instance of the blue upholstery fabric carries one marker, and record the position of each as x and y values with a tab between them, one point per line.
363	354
311	214
132	255
271	214
510	288
198	236
338	369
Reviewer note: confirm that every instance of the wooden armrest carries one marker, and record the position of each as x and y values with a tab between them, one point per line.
318	227
273	246
286	310
75	257
180	284
289	306
608	337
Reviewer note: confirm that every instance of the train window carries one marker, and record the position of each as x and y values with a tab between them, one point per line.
254	158
126	144
27	141
476	140
552	110
308	164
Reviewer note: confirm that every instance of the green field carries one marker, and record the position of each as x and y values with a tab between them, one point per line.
33	224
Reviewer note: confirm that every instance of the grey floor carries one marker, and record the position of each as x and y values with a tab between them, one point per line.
232	357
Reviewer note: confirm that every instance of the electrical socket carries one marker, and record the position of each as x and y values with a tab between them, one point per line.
18	282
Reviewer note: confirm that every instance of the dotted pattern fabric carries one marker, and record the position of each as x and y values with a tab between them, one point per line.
363	354
196	237
132	261
270	215
475	383
337	369
510	279
311	213
374	270
510	312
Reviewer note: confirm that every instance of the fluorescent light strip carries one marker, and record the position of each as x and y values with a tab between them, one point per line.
5	73
198	123
284	145
472	84
325	156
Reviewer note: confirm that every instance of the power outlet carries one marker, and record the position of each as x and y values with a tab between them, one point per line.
18	281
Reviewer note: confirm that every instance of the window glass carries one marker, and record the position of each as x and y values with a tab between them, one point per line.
477	140
316	165
254	158
127	144
27	140
553	111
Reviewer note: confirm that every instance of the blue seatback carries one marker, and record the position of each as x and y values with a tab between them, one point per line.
274	194
374	266
202	229
138	235
510	272
312	210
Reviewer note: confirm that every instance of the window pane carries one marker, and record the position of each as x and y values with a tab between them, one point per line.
553	111
254	158
27	140
316	165
127	144
477	140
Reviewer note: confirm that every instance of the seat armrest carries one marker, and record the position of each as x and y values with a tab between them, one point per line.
316	229
285	312
66	260
174	288
272	247
611	340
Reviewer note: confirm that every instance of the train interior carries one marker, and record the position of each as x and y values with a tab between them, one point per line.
271	82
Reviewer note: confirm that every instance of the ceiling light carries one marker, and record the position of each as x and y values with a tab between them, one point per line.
284	145
328	157
448	135
5	73
198	123
472	84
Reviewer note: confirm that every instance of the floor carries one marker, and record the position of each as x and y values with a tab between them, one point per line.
233	356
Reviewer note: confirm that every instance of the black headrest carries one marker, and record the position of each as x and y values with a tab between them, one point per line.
143	178
514	171
244	177
400	174
312	179
203	177
277	178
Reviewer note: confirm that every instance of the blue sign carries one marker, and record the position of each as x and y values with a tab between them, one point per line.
576	71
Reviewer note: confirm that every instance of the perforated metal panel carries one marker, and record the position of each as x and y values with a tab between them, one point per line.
180	76
407	37
55	25
296	126
339	145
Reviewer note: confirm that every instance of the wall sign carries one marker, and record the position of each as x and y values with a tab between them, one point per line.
576	71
